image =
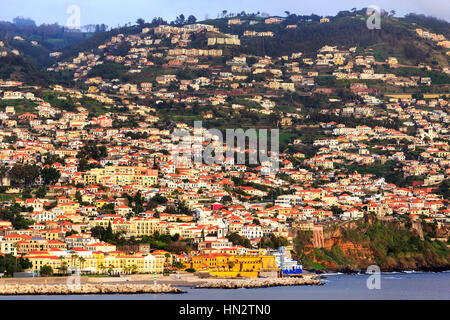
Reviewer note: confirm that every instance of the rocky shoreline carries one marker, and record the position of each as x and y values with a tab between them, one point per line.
259	283
387	270
142	286
59	289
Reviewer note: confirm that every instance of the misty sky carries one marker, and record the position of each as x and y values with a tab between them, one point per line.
113	13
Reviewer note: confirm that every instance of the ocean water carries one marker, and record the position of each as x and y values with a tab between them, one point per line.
404	285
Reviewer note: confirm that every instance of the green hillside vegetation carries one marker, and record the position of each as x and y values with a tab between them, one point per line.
92	42
20	106
93	106
435	76
18	68
392	246
50	37
396	36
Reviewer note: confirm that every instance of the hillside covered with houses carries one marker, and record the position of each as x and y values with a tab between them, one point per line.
88	176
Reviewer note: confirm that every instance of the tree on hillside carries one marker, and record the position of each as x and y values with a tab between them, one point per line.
24	22
108	233
140	22
239	240
180	20
10	139
92	150
273	242
46	271
13	214
444	189
100	27
24	175
41	192
83	165
10	264
191	19
158	21
50	175
180	208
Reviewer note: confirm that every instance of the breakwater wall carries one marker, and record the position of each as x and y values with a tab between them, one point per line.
259	283
61	289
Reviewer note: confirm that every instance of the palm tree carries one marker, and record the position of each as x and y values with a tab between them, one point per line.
102	267
73	258
61	258
111	268
3	172
64	267
82	261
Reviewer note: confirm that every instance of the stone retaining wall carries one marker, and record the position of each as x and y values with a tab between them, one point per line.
39	280
62	289
259	283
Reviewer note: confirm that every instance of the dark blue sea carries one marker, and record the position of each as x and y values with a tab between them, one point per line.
414	285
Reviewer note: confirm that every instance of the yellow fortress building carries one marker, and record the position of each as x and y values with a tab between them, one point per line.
227	265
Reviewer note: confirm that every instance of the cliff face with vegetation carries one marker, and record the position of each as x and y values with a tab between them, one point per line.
392	245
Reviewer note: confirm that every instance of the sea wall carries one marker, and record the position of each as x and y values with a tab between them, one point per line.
260	283
39	280
233	274
59	289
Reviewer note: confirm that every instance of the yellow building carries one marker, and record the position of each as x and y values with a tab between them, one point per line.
98	262
145	226
93	89
122	176
38	262
392	60
90	178
226	265
54	234
129	263
63	263
338	60
235	226
101	202
69	207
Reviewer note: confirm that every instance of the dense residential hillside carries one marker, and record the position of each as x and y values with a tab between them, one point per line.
396	37
137	144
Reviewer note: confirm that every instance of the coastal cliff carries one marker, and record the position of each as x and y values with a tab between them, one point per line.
393	245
